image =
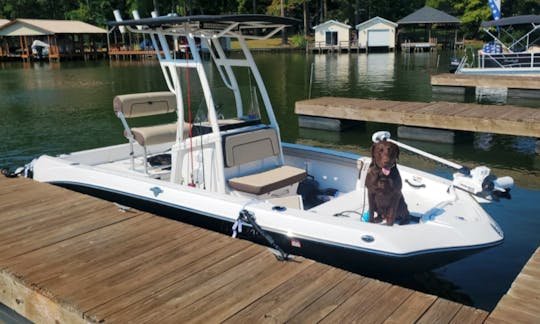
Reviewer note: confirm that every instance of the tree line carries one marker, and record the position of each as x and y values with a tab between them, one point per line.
311	12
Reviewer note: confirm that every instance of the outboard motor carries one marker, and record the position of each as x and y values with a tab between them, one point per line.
482	183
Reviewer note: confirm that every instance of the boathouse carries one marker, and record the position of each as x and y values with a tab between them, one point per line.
427	28
4	47
30	39
333	36
377	33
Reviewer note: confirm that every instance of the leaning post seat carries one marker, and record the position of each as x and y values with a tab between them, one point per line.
245	147
146	104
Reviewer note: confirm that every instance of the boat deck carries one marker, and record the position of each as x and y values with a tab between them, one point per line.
71	258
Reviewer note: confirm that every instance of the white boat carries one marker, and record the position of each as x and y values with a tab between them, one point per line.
520	56
225	164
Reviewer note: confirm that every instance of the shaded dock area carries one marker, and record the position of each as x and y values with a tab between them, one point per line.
509	120
66	257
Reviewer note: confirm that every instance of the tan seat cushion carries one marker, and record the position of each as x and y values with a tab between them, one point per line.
145	104
250	146
267	181
155	134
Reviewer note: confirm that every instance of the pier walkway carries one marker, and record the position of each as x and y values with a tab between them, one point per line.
509	120
66	257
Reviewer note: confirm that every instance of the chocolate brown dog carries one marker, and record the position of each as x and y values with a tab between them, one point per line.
383	183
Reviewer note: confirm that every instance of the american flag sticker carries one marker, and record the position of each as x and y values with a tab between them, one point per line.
296	243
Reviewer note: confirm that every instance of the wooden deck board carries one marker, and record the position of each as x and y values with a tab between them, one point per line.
329	301
94	263
442	311
469	315
411	309
358	304
386	304
510	120
209	257
298	292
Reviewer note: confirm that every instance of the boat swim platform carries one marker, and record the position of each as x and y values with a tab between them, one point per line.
66	257
508	120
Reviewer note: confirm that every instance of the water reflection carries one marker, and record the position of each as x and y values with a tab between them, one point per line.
332	71
376	71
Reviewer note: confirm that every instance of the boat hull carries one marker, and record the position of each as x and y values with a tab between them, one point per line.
366	261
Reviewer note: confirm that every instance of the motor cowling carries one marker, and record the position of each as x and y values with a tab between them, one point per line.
481	182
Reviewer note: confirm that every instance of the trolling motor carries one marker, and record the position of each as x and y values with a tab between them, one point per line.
478	181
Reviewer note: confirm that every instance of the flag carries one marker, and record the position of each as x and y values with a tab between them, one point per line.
495	6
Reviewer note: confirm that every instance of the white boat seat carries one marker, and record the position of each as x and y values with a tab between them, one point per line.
267	181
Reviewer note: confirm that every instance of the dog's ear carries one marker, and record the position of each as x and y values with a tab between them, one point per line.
373	150
397	152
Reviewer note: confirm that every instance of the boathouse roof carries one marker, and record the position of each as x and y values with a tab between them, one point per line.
374	21
330	23
428	15
3	22
514	20
36	27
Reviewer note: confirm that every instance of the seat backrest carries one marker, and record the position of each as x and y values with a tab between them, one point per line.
145	104
250	146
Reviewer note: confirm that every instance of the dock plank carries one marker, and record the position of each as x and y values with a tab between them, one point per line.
386	304
329	301
469	315
411	309
299	292
442	311
255	283
510	120
354	308
209	259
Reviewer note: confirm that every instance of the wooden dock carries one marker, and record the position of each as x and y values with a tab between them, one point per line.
508	120
528	82
70	258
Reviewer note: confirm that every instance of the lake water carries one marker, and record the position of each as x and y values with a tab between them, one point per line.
63	107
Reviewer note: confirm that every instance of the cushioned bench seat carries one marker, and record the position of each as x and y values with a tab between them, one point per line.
154	134
267	181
